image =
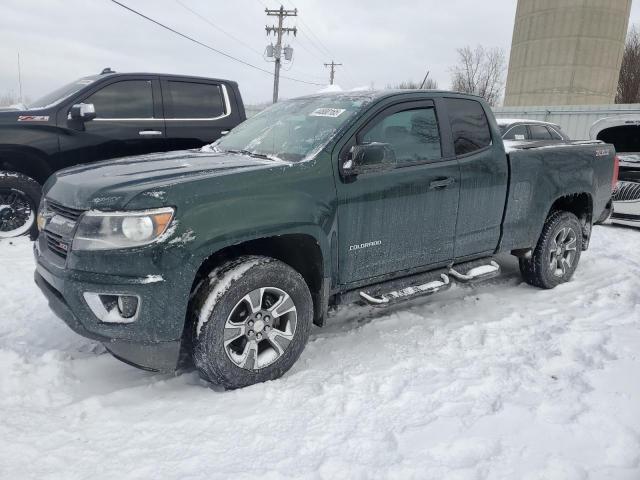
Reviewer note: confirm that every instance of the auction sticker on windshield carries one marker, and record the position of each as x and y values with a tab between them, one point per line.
327	112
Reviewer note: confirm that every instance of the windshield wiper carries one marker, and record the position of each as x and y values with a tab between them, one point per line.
251	154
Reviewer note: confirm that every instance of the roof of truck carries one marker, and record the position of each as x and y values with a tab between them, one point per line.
377	94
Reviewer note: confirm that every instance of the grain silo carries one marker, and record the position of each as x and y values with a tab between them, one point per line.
566	52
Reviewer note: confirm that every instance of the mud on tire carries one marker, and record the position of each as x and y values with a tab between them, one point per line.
557	253
251	319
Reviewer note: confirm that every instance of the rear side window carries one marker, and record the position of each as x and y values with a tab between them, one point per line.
193	100
554	134
519	132
469	125
126	99
539	132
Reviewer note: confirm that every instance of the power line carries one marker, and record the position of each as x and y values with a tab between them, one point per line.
220	29
326	50
209	47
322	45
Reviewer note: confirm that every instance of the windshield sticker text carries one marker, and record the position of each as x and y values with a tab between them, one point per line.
327	112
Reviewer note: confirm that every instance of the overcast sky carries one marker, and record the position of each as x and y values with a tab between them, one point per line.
378	41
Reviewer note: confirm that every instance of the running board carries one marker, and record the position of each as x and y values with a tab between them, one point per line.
408	292
481	272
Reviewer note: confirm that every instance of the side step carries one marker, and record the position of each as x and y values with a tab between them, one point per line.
477	273
408	292
387	293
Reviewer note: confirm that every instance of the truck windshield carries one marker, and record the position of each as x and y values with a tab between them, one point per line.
61	93
293	129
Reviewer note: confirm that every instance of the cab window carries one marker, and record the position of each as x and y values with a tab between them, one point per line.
519	132
126	99
539	132
469	125
413	135
193	100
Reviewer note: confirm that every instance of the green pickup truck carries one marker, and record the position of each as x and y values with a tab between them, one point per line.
224	257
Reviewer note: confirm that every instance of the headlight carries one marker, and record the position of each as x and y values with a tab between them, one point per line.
41	220
112	230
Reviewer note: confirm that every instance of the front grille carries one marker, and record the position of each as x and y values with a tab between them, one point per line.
626	192
57	244
66	212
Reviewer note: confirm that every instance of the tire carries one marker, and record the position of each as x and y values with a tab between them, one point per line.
242	309
19	200
538	270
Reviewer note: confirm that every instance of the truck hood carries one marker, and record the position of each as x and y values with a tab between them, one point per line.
111	184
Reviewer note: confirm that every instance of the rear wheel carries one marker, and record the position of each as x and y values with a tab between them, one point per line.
19	199
251	320
557	253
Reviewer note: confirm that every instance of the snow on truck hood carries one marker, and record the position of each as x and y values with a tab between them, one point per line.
119	180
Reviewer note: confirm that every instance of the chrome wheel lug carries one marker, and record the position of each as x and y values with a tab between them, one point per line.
259	336
267	318
267	328
258	315
250	323
251	333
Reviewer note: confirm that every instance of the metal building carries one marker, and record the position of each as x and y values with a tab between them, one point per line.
566	52
576	120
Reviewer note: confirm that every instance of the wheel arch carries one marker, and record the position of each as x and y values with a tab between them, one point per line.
581	205
28	161
301	251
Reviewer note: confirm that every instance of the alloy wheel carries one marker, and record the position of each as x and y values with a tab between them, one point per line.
260	328
563	251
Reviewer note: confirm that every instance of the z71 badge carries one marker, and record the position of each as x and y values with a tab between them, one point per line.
33	118
602	152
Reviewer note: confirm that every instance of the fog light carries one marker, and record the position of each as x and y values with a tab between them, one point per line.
113	308
127	305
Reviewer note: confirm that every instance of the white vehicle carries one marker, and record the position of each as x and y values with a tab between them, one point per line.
623	132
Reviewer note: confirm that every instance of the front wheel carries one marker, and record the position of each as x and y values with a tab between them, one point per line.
19	199
557	253
251	320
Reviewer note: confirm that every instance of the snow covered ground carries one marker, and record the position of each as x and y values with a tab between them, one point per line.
496	381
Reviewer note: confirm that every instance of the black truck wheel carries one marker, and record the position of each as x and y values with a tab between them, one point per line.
19	199
557	253
251	320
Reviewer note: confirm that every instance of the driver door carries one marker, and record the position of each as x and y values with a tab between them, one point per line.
404	218
128	121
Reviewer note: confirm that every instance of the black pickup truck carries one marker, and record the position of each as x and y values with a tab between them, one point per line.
105	116
228	254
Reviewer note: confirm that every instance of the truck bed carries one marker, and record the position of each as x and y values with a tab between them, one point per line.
541	174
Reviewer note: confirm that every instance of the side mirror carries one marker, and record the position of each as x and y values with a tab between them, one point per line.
82	112
369	158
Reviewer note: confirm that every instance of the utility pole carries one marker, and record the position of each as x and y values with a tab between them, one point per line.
281	13
332	72
424	82
19	77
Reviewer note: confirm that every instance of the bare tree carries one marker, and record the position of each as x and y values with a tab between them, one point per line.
629	83
480	72
8	98
430	84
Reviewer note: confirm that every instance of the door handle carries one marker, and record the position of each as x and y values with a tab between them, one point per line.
149	133
442	183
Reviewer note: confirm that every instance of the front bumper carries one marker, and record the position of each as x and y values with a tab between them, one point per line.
152	342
